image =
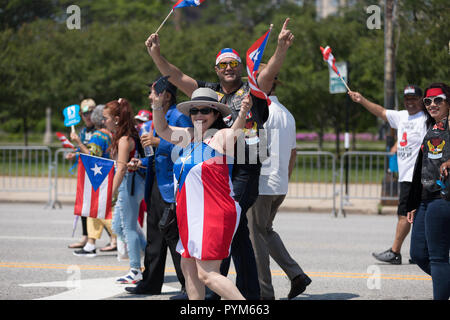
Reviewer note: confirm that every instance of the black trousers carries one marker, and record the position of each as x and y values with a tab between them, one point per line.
157	245
84	226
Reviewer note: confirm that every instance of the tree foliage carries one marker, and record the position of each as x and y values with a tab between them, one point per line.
44	64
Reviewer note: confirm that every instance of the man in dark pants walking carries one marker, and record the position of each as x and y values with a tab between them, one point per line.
159	196
231	91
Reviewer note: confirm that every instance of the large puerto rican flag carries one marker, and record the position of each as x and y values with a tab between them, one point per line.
187	3
254	55
207	214
94	187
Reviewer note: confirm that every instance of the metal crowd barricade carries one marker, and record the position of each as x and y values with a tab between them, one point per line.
65	180
314	177
26	169
365	175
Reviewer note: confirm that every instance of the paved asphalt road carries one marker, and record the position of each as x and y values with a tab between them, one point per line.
35	262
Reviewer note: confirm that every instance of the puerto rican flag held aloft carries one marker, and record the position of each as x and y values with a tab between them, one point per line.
187	3
94	187
65	142
254	55
329	58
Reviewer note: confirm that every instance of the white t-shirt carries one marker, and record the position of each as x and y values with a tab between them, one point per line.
281	132
410	133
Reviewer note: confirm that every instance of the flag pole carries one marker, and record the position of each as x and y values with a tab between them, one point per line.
171	11
340	77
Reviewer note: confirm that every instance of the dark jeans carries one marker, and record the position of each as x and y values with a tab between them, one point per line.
157	245
430	243
246	191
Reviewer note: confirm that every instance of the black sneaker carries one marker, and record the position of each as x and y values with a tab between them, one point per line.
84	253
388	256
139	289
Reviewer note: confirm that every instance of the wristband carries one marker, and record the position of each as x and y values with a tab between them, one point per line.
156	108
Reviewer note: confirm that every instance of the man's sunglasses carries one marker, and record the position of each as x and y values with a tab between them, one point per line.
232	63
436	100
194	111
88	113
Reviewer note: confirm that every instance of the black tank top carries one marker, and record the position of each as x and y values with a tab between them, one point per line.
436	150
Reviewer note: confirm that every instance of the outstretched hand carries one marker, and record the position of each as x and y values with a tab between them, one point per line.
355	96
285	38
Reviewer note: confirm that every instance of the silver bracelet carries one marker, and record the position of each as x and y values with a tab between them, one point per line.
157	108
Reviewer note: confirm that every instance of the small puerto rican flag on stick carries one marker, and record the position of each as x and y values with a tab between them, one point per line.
65	142
181	4
187	3
329	58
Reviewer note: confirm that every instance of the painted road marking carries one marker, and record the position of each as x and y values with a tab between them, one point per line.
319	274
89	289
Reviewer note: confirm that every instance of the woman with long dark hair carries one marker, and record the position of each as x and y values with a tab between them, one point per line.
119	119
429	200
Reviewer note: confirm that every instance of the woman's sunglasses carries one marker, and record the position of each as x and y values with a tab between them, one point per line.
232	63
436	100
194	111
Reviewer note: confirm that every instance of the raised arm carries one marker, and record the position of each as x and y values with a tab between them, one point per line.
373	108
175	135
177	77
225	139
267	76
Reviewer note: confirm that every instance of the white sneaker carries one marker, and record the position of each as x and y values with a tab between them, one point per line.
133	276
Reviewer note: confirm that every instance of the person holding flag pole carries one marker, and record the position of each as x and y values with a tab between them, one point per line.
232	91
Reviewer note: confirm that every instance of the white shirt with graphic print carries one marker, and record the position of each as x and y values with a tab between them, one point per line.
410	133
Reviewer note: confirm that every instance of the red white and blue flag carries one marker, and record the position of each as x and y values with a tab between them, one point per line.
187	3
65	142
94	187
329	58
254	55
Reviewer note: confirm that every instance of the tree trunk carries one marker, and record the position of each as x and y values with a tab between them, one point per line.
389	62
48	126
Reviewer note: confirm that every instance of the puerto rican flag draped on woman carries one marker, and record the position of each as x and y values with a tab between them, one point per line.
328	57
94	187
254	55
187	3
